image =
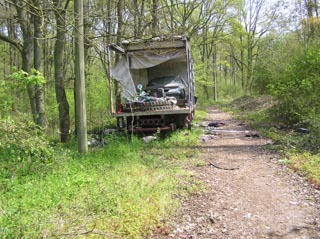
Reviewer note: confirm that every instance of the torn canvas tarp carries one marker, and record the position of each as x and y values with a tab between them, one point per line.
150	58
141	60
121	73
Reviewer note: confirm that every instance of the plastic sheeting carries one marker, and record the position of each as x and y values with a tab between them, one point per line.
141	60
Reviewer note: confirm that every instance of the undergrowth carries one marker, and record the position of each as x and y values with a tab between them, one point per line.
124	190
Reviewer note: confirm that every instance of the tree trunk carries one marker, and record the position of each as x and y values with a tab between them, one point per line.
37	61
242	60
138	18
80	78
215	74
59	48
120	8
27	50
155	20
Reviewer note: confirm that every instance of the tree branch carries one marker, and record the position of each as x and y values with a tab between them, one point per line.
13	42
66	5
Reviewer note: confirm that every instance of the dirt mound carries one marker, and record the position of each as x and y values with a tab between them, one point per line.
250	103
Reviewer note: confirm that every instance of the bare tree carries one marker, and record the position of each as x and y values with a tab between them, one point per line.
255	21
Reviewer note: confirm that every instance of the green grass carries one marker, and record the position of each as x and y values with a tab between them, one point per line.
124	190
306	164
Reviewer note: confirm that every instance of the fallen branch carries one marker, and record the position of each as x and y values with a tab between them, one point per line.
222	168
92	231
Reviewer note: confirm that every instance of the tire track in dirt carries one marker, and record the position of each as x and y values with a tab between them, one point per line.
258	198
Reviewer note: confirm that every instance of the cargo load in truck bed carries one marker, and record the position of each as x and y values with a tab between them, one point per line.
157	82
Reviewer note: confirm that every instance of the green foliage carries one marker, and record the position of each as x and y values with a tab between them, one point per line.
21	140
274	57
121	191
200	115
311	140
183	138
21	78
97	96
13	91
229	91
298	89
307	165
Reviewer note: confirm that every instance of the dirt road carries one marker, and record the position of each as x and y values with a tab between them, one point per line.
249	194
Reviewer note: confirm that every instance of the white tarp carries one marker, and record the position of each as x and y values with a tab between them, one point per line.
141	60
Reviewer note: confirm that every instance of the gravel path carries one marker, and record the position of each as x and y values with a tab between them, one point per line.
249	194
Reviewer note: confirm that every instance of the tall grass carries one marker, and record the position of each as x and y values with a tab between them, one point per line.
124	190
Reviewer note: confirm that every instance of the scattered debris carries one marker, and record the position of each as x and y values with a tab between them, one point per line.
230	131
109	131
97	140
223	168
207	138
259	199
252	136
280	127
148	139
216	124
202	124
209	132
302	130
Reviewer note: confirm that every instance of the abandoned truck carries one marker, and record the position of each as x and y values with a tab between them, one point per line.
157	84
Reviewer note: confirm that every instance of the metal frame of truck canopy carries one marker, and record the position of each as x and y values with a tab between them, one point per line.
146	56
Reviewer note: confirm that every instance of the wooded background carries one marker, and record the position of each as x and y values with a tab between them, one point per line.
239	48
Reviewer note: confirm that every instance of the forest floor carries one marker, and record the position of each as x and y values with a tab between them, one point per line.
248	192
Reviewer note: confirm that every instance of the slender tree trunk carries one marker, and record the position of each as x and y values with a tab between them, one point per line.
155	20
120	8
59	50
86	29
80	78
27	50
215	75
315	4
241	65
249	64
39	89
13	61
138	15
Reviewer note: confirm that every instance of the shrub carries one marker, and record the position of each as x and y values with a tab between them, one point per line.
298	90
24	148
